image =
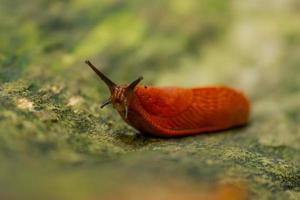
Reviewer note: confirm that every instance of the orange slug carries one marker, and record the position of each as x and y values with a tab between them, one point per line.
175	111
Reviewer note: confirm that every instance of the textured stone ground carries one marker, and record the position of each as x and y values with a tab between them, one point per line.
55	141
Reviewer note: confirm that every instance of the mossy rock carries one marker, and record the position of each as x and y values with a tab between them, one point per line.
55	141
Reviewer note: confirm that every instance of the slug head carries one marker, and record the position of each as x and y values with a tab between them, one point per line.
120	94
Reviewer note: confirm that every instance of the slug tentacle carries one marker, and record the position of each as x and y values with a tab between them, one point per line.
132	85
110	84
107	102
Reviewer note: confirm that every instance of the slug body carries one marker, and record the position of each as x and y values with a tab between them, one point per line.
173	111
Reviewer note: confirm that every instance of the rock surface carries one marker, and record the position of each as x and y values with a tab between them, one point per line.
55	141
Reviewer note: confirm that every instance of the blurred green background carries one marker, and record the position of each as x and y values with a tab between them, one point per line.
55	141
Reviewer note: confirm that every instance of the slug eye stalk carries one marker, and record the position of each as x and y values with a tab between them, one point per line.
132	85
110	84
